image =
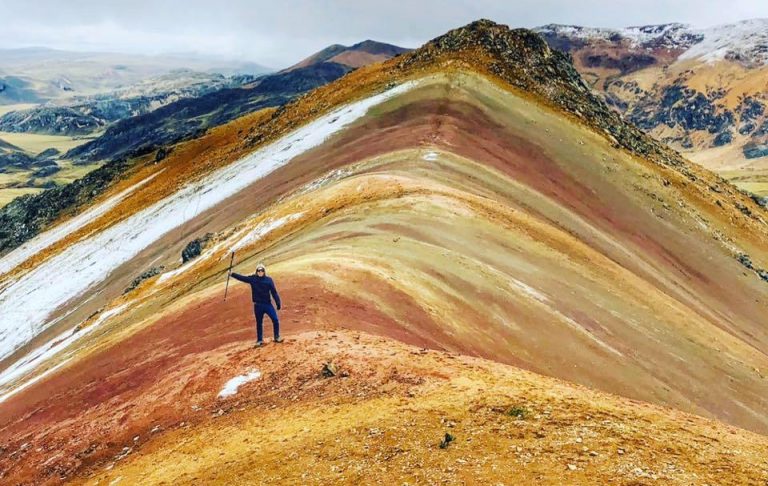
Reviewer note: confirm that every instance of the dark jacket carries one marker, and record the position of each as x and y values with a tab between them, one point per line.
261	288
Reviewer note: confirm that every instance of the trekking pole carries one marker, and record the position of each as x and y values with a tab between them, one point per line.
231	260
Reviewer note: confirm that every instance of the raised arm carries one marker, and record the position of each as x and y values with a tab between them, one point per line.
242	278
273	291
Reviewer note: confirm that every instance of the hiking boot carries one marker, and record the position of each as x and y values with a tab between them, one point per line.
258	344
278	339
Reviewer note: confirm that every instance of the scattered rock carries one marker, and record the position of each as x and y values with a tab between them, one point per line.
446	440
329	370
144	276
124	453
161	154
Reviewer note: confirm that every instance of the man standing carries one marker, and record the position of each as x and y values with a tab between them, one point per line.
262	287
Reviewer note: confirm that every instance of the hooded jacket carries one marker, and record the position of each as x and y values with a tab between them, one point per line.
261	288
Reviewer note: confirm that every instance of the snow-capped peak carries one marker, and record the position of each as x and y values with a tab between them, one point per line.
671	36
745	41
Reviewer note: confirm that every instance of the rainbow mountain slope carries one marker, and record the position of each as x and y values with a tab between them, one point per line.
472	196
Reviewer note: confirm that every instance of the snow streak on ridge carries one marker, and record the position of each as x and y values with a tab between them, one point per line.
44	240
25	305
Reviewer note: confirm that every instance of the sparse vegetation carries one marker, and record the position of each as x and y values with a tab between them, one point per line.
518	412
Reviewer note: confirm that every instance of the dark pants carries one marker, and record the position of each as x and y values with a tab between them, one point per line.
268	309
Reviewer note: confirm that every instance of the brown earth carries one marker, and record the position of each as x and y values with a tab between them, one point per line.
380	419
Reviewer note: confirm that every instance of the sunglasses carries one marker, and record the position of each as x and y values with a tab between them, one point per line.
261	270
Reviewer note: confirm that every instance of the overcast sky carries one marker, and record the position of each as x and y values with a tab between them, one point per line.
279	33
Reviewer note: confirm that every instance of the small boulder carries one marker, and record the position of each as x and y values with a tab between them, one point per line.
446	440
329	370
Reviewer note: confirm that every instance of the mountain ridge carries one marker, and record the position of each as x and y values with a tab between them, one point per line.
472	196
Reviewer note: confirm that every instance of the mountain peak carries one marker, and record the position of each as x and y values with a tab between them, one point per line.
498	38
519	56
357	55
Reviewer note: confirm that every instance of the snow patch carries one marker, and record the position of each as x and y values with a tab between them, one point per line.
743	41
26	304
322	181
254	235
230	388
43	353
430	156
39	377
184	266
262	230
44	240
670	36
530	291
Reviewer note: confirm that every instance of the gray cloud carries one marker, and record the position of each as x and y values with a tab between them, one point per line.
280	33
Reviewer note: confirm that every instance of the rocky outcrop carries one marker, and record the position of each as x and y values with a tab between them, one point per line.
144	276
755	150
15	159
47	170
678	106
76	120
195	247
523	59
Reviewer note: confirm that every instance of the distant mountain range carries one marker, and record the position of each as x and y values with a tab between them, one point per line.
187	117
703	91
88	114
38	75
